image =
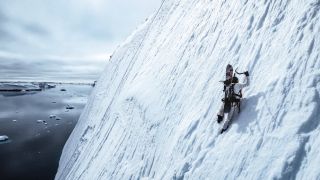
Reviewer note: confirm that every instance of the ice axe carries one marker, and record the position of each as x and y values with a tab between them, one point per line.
240	72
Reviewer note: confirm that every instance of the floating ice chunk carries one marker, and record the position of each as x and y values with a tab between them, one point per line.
14	120
51	86
4	138
69	107
41	121
58	118
52	116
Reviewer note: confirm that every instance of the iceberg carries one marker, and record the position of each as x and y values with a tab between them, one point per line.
152	113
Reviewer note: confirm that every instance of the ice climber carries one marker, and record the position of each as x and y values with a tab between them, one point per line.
233	94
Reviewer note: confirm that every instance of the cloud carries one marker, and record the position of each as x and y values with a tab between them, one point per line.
35	29
4	35
51	68
76	36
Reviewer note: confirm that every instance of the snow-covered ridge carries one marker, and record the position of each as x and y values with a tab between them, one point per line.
153	111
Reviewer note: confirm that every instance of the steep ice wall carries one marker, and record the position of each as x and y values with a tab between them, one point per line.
153	112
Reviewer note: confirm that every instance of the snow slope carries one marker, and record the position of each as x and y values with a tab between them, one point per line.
153	112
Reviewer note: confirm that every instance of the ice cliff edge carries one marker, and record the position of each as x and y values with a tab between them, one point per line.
153	111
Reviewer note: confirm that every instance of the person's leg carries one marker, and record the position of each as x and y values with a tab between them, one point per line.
221	113
221	110
229	119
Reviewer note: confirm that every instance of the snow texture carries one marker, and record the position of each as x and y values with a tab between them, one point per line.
152	114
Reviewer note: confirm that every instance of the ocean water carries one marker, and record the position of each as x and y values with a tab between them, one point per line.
38	125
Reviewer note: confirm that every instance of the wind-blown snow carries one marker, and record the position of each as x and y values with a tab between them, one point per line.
153	112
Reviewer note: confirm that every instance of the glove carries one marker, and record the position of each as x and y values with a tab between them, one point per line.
246	73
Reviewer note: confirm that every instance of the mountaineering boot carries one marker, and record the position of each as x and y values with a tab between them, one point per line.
227	122
220	118
222	130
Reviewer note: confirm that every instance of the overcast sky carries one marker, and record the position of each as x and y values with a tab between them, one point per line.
64	39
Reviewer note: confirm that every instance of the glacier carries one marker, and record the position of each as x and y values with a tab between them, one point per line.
152	114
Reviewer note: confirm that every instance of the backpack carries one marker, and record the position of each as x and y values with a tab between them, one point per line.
231	97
